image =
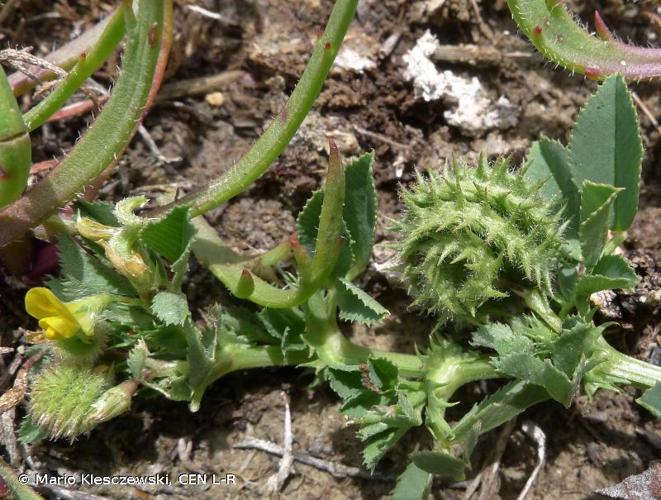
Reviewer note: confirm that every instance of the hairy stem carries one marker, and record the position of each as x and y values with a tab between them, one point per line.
109	134
88	63
283	127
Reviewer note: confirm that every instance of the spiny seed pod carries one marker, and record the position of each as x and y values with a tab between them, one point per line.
471	235
63	398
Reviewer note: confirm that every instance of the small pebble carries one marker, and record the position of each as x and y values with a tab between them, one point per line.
215	99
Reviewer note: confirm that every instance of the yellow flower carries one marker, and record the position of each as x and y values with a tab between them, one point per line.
62	320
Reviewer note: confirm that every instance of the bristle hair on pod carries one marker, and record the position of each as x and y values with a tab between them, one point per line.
62	399
468	235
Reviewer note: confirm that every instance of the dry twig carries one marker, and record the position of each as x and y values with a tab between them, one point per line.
277	480
335	469
537	434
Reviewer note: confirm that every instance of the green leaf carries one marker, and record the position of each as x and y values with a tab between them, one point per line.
170	236
383	373
610	273
307	226
383	405
360	210
651	400
136	361
84	274
574	345
441	464
413	484
501	338
28	433
170	308
356	305
496	409
596	202
307	223
346	382
606	147
548	162
528	368
100	211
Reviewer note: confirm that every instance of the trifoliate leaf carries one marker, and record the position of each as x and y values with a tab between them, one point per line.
413	484
651	400
170	308
356	305
287	326
383	405
606	147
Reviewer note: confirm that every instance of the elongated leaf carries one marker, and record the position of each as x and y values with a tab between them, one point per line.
606	147
360	210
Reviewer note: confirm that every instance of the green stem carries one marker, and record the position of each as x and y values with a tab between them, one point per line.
283	127
260	357
448	370
109	134
88	63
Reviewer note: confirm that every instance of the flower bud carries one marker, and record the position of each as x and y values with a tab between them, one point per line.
131	264
93	230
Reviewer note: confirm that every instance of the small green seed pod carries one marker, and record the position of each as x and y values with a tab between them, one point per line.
470	236
15	147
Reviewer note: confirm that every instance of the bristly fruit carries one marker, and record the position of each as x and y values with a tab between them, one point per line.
63	398
471	235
